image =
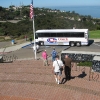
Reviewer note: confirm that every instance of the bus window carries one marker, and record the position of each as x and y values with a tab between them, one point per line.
53	35
77	34
66	34
80	34
73	34
59	34
47	35
39	34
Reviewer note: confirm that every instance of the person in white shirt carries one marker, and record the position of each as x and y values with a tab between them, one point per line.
57	65
36	47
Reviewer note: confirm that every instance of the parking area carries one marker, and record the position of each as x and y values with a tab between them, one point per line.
28	52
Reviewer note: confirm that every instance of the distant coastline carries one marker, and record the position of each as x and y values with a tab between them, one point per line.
93	11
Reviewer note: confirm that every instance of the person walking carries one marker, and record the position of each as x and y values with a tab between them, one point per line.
25	37
67	69
53	54
57	65
30	40
13	42
45	58
35	47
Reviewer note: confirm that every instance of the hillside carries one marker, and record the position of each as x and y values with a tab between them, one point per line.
16	22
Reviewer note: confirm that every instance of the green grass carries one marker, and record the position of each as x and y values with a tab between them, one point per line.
94	34
85	63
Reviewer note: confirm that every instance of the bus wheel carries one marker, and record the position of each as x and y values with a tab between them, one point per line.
41	43
72	44
78	44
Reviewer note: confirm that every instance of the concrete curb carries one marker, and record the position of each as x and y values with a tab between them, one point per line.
5	52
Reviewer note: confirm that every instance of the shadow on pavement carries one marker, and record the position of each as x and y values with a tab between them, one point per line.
64	80
90	42
82	75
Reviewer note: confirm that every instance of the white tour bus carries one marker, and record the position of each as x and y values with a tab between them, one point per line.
70	37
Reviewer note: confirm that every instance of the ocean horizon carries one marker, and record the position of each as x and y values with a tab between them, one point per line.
93	11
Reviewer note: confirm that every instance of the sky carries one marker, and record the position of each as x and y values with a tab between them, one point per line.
48	3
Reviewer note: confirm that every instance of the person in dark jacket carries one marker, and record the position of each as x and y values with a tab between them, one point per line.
67	68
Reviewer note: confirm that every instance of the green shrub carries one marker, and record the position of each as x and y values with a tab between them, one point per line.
2	38
85	63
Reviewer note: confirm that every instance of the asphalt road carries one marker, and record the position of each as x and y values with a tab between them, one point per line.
28	51
94	47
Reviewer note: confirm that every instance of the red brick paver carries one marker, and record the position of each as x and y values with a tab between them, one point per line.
30	80
15	98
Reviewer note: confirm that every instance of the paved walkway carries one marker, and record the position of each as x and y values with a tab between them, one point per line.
30	80
13	47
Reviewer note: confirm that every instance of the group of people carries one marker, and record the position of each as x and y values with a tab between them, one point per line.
45	57
58	65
